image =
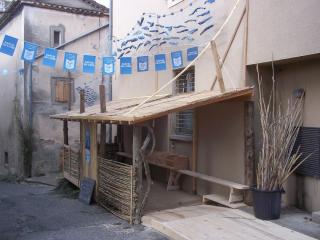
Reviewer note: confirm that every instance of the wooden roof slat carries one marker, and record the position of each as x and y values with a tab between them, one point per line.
117	111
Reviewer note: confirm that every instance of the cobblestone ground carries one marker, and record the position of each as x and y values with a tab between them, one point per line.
35	212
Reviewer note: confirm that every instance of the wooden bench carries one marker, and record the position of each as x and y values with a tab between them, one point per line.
171	161
236	195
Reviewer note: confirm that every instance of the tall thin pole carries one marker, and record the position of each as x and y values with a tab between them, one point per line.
110	34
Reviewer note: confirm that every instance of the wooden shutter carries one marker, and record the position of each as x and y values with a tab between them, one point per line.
62	91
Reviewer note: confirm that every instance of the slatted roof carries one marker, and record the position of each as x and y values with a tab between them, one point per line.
118	112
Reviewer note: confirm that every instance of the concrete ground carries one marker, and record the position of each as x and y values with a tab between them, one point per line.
33	211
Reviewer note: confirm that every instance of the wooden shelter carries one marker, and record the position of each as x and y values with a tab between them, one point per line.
119	185
119	174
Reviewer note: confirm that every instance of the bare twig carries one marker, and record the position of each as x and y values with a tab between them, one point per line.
279	130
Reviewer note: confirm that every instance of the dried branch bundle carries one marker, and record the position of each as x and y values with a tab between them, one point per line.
280	128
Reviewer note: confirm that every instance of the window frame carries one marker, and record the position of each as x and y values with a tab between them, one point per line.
174	134
61	30
66	80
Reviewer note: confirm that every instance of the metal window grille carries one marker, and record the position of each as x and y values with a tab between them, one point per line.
183	120
308	143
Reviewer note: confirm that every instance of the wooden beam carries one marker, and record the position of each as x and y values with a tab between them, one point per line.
69	91
229	46
249	148
194	149
245	45
103	129
82	101
218	66
137	173
102	92
82	149
65	132
94	156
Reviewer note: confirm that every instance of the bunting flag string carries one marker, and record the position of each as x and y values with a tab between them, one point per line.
150	38
89	61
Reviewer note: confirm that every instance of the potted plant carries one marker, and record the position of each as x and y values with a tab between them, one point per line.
278	157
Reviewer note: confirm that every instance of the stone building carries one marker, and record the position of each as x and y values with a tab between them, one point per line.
29	140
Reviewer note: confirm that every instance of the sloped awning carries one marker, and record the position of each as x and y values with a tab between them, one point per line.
118	111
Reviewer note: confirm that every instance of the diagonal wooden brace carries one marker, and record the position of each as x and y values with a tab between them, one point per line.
218	66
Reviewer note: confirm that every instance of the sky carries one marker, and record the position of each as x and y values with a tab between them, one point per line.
104	2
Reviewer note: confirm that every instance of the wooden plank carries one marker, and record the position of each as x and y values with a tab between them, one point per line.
234	34
197	222
249	148
194	149
69	91
159	108
222	200
82	146
65	133
218	66
94	156
214	180
82	101
168	160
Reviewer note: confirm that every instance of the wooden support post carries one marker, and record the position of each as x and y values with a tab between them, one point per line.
218	66
249	119
65	132
102	92
194	149
82	101
82	149
137	173
103	109
245	45
249	148
69	91
94	155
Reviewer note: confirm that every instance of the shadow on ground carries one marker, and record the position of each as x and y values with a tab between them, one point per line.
32	212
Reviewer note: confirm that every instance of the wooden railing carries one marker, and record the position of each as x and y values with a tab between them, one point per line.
71	165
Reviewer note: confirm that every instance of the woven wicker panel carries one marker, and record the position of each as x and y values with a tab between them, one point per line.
71	165
115	188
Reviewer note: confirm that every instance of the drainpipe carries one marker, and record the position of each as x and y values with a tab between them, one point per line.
110	34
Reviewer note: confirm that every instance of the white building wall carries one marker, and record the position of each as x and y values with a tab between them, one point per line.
283	29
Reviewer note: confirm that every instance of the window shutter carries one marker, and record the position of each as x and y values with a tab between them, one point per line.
62	91
66	87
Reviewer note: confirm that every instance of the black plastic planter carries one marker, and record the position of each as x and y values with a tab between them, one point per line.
266	204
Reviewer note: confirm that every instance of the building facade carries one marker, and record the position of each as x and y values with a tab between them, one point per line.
278	31
30	141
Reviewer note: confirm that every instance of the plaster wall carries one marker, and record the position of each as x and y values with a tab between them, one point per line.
48	133
11	107
221	145
283	29
143	84
303	75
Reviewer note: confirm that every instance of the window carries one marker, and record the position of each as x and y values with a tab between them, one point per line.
184	120
61	88
57	35
56	38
